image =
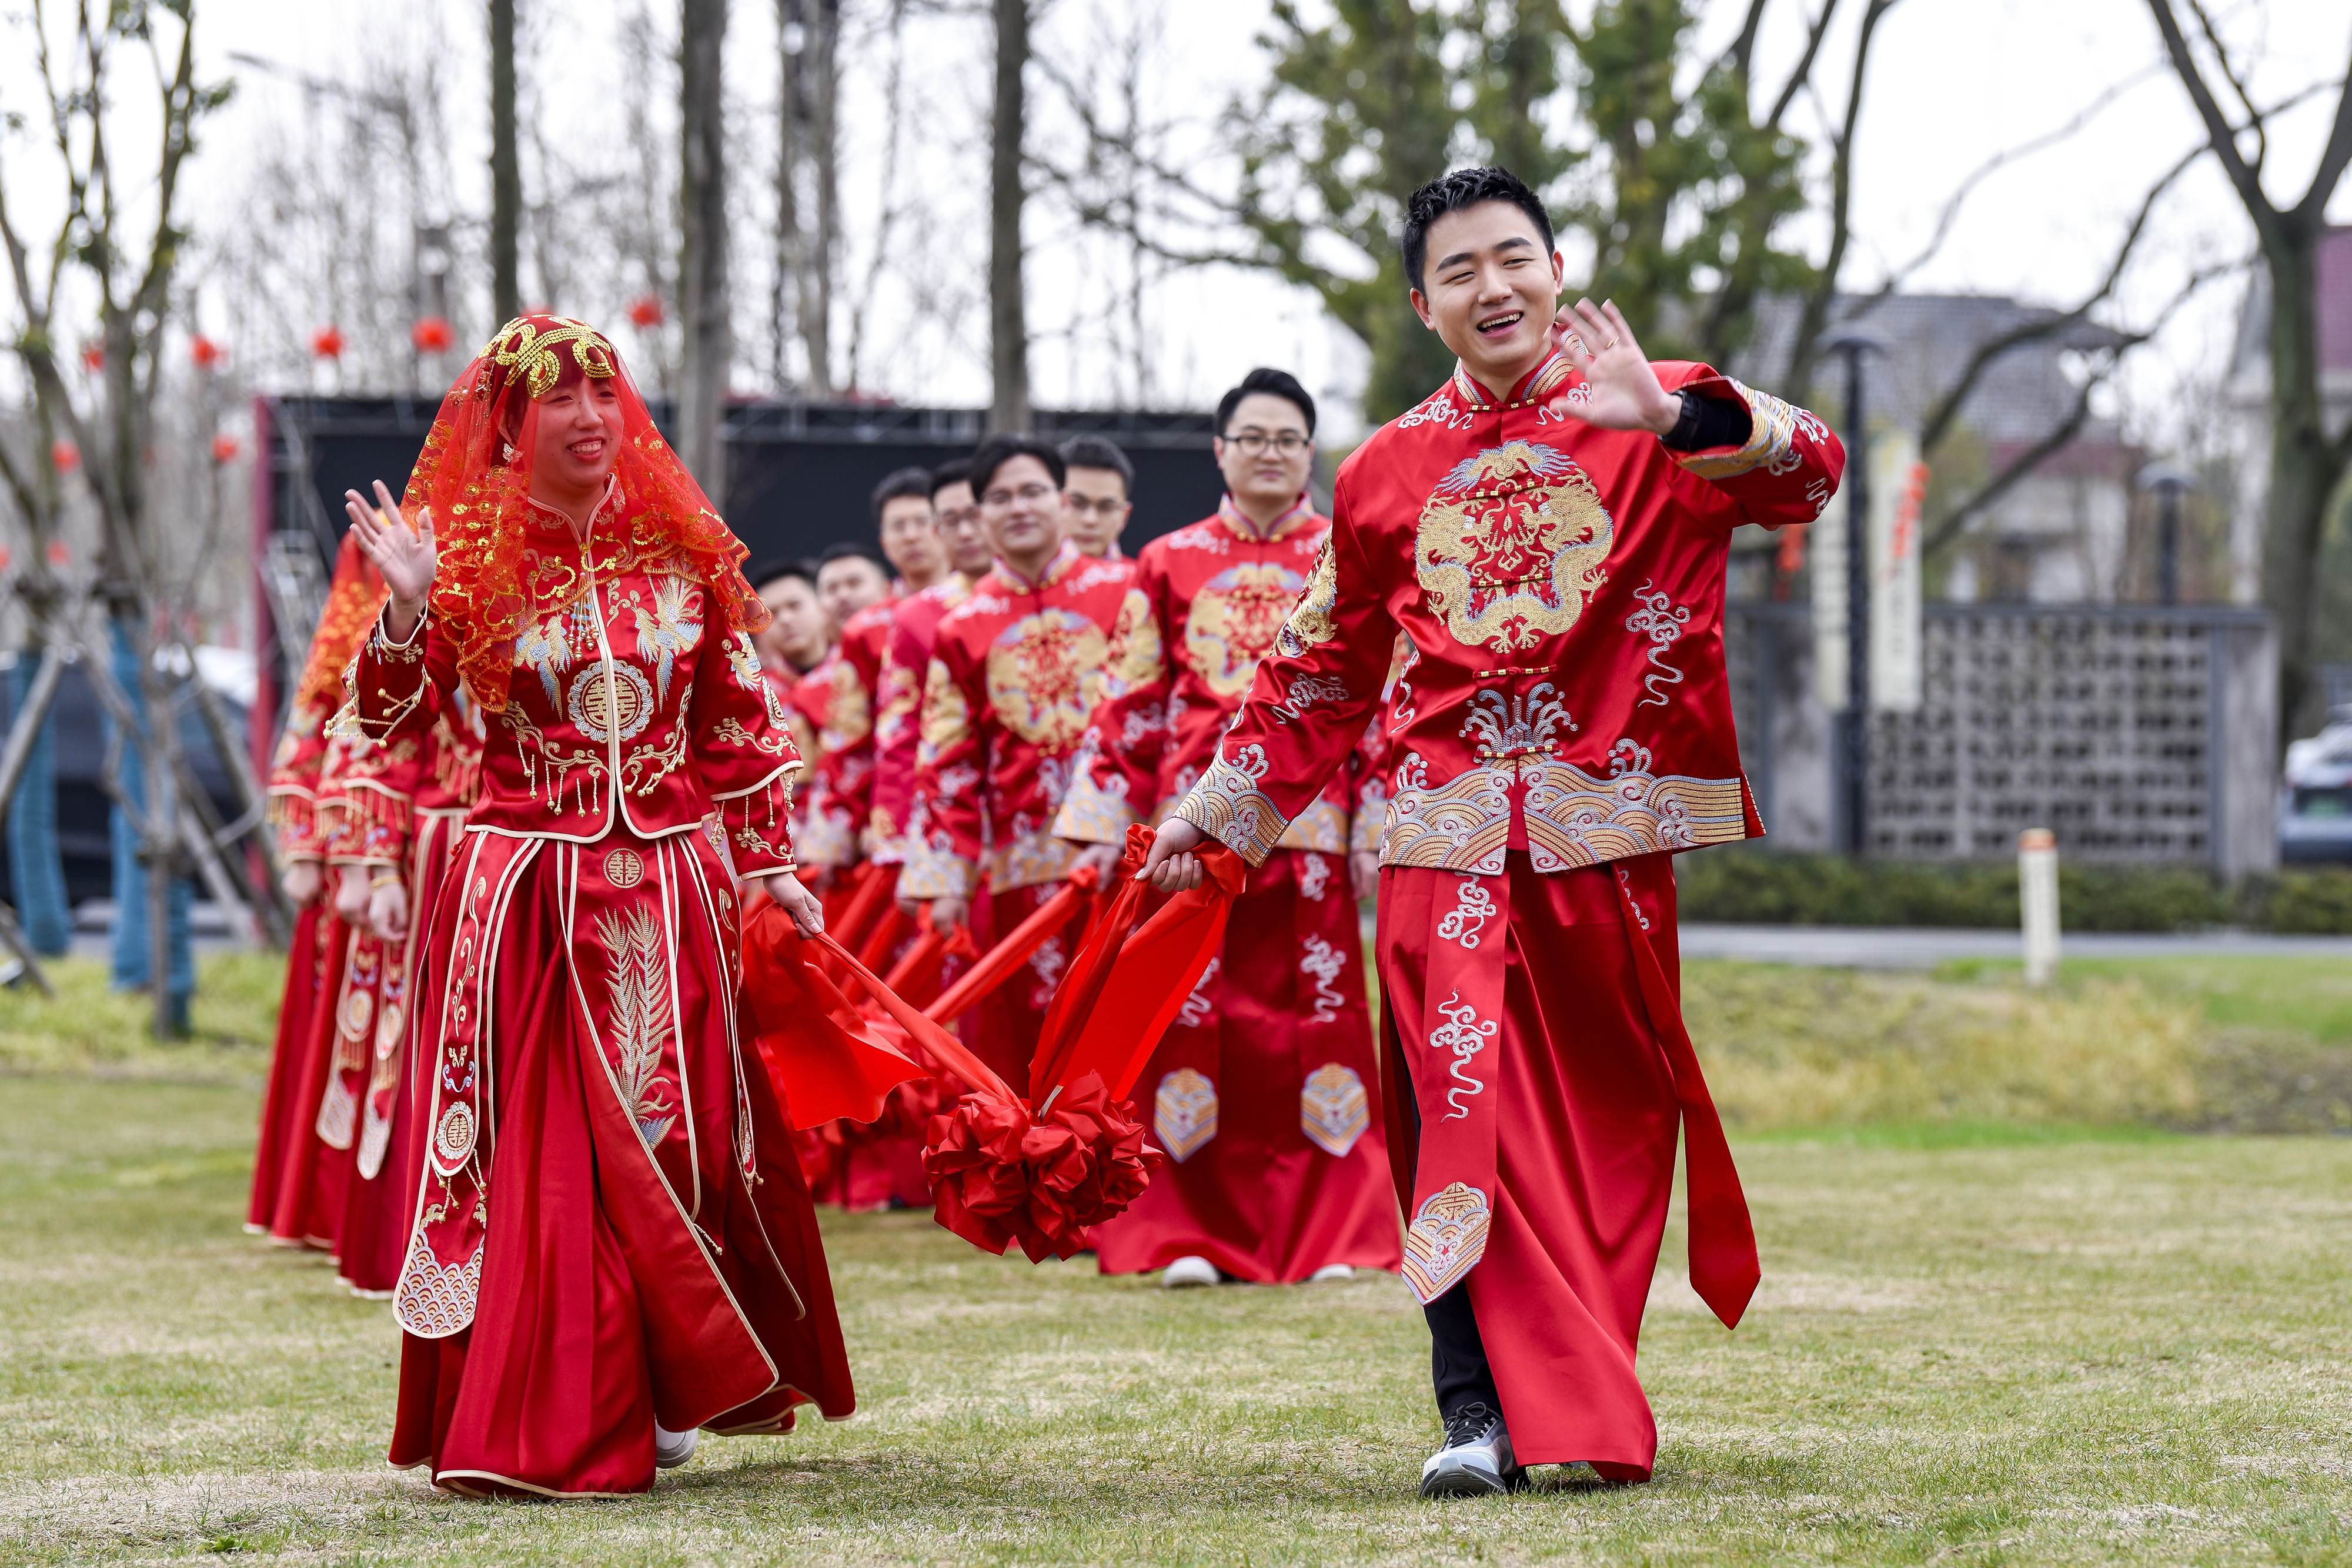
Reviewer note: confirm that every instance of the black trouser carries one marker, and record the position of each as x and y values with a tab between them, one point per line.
1457	1355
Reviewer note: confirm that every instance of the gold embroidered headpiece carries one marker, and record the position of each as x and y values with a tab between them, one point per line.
530	349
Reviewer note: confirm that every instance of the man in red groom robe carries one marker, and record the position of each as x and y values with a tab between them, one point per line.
1549	528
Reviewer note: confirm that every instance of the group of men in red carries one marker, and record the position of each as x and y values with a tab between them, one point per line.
1487	689
998	716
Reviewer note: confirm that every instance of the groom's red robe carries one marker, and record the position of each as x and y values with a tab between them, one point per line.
1562	725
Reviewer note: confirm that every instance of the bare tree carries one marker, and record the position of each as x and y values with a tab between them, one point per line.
702	302
128	278
808	150
1008	312
2307	461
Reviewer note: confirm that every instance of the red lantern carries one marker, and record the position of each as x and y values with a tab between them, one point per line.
226	448
64	456
432	335
206	353
93	357
327	343
58	554
646	310
7	558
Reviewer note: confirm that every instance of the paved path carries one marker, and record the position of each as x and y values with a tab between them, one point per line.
1924	947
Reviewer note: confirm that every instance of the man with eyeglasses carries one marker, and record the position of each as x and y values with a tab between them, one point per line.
1551	528
1262	1089
1099	481
1015	672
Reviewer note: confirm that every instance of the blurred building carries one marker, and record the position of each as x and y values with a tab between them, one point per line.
2055	694
2058	536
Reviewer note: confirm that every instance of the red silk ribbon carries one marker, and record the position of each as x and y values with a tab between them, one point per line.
1724	1269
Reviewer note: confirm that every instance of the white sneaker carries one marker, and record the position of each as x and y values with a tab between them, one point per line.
1476	1461
672	1449
1189	1271
1330	1272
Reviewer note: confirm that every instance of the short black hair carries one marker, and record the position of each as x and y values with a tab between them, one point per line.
1094	452
1451	194
998	450
954	471
768	571
914	482
1273	383
854	549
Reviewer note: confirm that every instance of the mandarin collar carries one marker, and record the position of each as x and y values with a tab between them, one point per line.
551	517
1302	511
1532	388
1055	569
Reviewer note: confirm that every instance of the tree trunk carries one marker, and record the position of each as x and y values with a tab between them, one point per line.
792	111
702	249
817	290
2305	465
506	168
1008	319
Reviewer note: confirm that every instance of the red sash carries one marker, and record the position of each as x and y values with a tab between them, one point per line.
1457	1078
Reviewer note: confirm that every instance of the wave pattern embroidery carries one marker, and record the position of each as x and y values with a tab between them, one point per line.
1574	818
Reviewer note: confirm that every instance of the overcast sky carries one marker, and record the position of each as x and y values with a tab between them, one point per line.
1954	82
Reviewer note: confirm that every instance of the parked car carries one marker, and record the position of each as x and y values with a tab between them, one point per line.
2315	796
82	804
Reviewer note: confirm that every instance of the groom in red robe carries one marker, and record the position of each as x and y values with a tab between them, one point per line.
1550	529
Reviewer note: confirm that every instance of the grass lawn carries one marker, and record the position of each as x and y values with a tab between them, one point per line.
1972	1346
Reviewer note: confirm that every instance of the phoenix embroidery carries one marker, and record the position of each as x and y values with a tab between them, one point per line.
638	993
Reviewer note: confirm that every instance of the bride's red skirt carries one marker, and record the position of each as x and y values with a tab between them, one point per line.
610	1228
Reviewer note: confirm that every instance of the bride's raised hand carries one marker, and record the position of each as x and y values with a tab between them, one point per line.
406	559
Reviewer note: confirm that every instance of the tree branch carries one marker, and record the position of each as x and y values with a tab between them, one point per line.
2312	211
1948	526
2002	159
1743	47
1803	72
1815	315
2218	130
2237	87
1946	408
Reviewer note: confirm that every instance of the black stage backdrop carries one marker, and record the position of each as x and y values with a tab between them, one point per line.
799	475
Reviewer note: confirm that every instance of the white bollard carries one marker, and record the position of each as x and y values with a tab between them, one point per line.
2037	895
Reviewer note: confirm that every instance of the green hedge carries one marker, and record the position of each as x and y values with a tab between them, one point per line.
1753	884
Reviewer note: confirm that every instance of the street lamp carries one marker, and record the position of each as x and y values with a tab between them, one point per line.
2170	481
1854	725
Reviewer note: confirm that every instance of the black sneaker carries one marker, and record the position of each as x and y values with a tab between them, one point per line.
1476	1461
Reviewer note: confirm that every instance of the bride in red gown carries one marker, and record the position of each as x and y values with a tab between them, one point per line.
612	1246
